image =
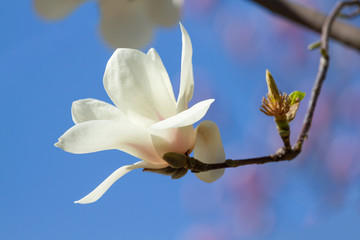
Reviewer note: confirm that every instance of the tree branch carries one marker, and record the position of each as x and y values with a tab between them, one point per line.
180	163
285	153
314	20
323	66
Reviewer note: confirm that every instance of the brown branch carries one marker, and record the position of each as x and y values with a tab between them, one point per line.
314	20
180	163
323	66
285	153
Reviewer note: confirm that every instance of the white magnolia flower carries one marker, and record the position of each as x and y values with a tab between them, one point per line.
124	23
146	121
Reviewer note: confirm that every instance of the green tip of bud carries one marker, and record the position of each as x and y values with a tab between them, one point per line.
314	45
272	88
296	97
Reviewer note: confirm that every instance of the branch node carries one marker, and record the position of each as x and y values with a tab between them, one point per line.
230	163
324	53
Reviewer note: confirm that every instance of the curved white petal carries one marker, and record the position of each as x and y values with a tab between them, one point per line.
91	109
99	135
185	118
156	58
106	184
209	149
187	78
56	9
137	86
165	12
125	23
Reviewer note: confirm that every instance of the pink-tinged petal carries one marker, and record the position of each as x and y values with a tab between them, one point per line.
165	12
138	87
56	9
185	118
187	78
91	109
209	149
99	135
106	184
125	23
180	140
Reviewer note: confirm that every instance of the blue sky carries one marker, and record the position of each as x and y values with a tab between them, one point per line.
44	67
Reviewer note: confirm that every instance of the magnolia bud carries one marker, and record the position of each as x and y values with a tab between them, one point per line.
273	91
180	172
176	160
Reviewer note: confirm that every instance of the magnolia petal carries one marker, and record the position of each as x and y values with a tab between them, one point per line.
91	109
187	78
156	58
209	149
185	118
165	12
137	86
106	184
125	23
56	9
180	140
99	135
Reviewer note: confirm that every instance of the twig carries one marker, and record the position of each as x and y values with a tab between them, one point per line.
285	153
314	20
323	66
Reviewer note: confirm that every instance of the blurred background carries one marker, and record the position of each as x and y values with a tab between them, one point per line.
46	65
